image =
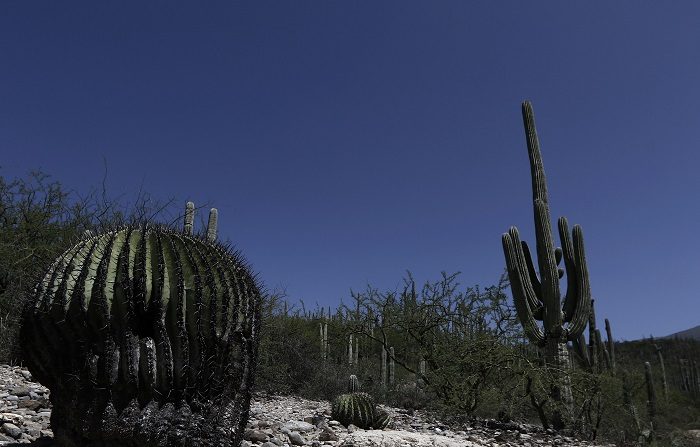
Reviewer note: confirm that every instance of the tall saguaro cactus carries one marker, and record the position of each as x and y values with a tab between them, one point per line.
538	298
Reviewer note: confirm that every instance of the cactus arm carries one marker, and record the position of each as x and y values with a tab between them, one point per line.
534	280
549	273
583	301
571	282
520	287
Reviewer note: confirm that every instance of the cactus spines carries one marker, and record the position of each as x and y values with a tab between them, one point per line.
155	330
353	384
611	346
539	298
212	224
189	218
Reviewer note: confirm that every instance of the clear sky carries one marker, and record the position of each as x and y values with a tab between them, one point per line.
347	142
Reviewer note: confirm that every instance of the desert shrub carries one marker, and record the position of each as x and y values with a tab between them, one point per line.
38	220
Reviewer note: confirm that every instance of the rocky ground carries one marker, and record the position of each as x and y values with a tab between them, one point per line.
283	422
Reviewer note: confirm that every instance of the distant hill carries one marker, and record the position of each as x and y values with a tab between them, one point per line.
693	333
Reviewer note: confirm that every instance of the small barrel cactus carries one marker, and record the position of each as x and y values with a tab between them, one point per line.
360	410
145	336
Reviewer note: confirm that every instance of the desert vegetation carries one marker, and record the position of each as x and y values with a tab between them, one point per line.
460	351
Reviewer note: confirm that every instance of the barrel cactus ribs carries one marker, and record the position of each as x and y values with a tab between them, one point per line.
146	336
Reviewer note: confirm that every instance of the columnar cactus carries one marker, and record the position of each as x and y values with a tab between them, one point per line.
664	382
145	336
611	346
392	366
539	298
353	384
651	397
382	369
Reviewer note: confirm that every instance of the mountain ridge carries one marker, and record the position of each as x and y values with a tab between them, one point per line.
693	333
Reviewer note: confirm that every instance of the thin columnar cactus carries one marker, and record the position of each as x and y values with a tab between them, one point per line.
189	218
391	366
539	298
593	346
603	351
356	352
350	356
145	336
382	369
212	224
611	346
323	341
664	383
353	384
651	397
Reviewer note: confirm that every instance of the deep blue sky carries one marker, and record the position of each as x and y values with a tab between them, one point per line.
347	142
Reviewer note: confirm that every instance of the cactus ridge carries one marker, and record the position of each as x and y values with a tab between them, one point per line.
150	323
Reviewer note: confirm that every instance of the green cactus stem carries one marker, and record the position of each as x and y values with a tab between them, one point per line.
651	398
392	366
611	346
350	355
538	298
593	345
382	369
155	330
664	383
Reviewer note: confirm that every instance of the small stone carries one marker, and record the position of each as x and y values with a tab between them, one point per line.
255	436
11	429
352	428
295	438
299	426
21	391
245	443
333	423
327	435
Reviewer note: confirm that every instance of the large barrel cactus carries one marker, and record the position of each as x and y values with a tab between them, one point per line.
145	336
